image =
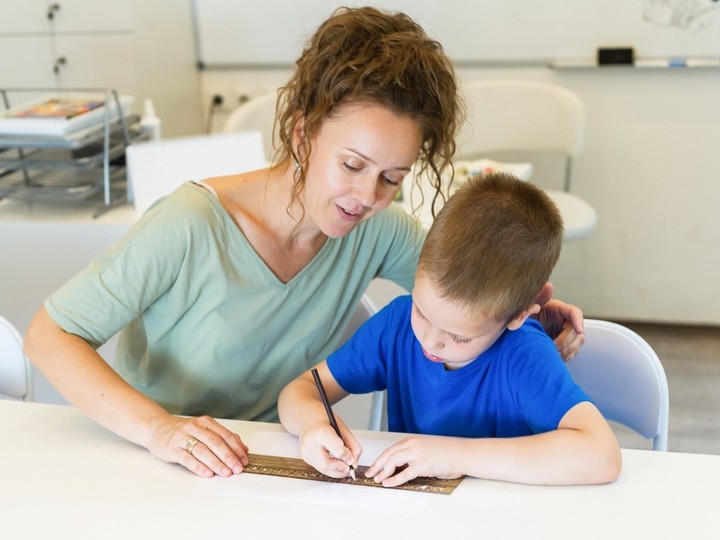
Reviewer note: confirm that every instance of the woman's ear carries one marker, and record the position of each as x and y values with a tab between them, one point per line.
517	321
299	133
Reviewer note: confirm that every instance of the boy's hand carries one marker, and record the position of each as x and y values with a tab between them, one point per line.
321	448
416	455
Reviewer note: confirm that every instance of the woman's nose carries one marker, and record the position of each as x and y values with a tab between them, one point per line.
365	192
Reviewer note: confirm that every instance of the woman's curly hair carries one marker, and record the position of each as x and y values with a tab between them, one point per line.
379	57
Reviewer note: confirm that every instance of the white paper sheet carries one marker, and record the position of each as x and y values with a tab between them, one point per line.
359	498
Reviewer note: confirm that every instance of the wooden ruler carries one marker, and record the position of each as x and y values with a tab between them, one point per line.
297	468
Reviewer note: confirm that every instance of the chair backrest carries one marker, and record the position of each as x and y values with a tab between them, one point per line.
365	309
536	119
623	376
15	374
354	406
257	113
156	168
515	115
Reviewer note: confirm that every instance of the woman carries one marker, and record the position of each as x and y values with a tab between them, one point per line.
228	289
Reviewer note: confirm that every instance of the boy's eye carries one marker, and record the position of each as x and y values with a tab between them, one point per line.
459	340
418	312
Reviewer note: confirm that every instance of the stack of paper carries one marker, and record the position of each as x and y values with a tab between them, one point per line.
60	115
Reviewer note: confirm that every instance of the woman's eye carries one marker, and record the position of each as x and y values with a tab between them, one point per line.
391	182
351	168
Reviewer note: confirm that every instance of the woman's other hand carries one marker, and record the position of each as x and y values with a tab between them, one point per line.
562	322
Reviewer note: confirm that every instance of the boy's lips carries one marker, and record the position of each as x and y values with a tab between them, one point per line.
432	356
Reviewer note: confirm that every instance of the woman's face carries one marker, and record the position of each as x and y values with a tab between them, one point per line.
358	161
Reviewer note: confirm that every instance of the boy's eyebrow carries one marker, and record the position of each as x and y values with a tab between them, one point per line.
463	338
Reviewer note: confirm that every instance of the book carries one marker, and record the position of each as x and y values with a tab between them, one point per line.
59	115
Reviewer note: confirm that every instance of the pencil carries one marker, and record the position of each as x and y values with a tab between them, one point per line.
328	410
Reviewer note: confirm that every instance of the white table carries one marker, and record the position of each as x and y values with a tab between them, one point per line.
42	245
579	217
62	476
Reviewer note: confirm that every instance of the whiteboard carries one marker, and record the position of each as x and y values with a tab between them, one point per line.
272	32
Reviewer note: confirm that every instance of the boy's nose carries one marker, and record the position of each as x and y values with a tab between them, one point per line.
433	341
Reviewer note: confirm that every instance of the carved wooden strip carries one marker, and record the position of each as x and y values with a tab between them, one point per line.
296	468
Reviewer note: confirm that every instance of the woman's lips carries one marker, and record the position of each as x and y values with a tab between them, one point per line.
346	215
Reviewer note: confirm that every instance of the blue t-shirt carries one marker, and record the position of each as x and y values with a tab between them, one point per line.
519	386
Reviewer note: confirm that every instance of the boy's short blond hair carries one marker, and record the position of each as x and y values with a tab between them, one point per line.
493	246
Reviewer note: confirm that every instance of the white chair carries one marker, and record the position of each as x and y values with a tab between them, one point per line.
623	376
353	408
15	372
156	168
257	113
533	118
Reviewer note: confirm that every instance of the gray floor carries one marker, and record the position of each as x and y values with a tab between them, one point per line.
691	358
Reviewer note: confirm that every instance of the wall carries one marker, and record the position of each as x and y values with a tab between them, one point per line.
251	33
649	169
166	64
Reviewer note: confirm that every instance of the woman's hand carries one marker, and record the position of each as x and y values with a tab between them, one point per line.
415	455
562	322
201	445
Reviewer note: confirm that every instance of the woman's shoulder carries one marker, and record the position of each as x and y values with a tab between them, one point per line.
190	201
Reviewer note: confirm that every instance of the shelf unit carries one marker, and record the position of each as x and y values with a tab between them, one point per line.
84	165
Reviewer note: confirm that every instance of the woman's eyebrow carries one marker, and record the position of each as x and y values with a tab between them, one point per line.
368	158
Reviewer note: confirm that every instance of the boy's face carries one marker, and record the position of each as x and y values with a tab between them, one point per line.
446	330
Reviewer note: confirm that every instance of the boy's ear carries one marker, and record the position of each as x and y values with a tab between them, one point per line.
517	321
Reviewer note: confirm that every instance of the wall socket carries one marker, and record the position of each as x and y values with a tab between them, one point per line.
232	96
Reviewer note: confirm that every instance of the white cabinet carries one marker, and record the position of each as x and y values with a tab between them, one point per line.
26	61
140	48
95	16
70	43
97	61
23	16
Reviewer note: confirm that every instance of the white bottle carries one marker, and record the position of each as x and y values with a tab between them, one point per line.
150	123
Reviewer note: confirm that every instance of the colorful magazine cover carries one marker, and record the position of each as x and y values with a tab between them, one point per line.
64	108
59	115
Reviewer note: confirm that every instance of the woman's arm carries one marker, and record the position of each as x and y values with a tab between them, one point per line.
76	370
302	413
583	450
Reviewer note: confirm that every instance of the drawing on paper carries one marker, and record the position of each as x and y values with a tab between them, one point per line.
693	15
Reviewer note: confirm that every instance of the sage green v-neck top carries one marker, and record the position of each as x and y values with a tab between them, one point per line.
207	328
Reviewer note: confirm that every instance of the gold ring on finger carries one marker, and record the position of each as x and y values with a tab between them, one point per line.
190	445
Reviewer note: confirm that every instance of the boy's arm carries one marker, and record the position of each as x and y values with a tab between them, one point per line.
583	450
302	413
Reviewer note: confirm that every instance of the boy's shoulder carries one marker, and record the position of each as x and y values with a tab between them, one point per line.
399	307
529	342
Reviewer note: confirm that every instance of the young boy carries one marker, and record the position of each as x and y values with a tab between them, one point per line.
465	369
